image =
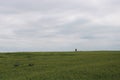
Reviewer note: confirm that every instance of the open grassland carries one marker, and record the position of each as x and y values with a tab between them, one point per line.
102	65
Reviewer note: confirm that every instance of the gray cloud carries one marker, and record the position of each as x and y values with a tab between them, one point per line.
43	25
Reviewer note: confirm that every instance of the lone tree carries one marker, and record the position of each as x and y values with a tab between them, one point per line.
75	50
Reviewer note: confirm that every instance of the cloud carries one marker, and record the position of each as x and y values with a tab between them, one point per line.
50	25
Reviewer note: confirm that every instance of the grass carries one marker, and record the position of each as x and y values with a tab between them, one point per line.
96	65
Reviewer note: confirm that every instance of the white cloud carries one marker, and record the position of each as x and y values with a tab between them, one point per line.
36	25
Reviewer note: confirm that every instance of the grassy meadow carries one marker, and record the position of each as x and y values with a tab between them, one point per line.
96	65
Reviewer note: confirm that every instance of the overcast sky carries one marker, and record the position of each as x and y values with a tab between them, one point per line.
57	25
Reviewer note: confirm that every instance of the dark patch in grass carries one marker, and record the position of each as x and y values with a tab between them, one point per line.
2	57
30	64
16	64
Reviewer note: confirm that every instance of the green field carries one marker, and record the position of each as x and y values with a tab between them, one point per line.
96	65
